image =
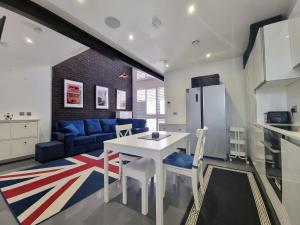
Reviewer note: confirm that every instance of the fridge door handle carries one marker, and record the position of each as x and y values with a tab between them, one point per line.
197	97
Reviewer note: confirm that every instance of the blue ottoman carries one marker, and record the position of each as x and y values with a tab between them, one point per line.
48	151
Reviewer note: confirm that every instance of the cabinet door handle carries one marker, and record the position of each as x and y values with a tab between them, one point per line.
25	142
25	126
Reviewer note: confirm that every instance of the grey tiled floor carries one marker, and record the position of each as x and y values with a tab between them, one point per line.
92	209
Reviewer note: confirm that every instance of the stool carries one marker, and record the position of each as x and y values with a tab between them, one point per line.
142	170
48	151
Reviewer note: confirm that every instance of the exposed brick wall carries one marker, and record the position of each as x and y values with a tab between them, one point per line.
92	69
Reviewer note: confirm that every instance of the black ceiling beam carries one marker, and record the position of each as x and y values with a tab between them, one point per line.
2	22
49	19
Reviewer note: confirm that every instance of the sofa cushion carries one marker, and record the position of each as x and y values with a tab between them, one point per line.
103	137
108	125
70	128
124	121
138	123
77	123
139	130
92	126
84	140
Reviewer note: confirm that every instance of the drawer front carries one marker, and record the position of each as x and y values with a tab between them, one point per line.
22	147
4	150
24	130
4	131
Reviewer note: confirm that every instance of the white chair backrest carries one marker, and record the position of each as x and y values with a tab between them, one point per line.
199	151
123	130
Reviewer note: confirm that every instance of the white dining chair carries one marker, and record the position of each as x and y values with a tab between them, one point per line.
188	165
123	131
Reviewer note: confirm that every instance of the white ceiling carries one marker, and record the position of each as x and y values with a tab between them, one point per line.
222	26
48	47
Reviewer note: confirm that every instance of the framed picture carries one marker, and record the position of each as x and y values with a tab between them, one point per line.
121	100
101	97
73	94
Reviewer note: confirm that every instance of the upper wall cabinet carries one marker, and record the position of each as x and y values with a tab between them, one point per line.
257	58
278	62
294	30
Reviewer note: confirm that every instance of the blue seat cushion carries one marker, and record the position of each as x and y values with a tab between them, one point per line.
70	128
103	136
180	159
124	121
138	123
77	123
84	140
108	125
92	126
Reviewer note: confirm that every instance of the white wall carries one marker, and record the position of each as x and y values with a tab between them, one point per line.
270	99
293	99
232	75
27	88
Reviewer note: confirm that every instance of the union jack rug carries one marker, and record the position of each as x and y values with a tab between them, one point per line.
38	193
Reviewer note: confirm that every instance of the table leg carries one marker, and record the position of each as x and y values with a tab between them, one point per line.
188	145
106	184
159	192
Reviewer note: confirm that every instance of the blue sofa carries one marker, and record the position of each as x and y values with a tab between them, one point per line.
81	136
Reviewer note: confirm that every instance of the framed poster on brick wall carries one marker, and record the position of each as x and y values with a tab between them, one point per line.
73	94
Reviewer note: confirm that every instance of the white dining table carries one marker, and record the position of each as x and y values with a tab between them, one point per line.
156	150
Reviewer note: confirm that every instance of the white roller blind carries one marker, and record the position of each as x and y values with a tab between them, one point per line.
151	101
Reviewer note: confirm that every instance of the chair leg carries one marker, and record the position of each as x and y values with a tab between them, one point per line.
120	166
201	179
145	197
174	178
195	188
165	180
124	189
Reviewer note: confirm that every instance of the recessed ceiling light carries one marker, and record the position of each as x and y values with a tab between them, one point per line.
112	22
131	37
28	40
191	9
208	55
81	1
167	65
287	36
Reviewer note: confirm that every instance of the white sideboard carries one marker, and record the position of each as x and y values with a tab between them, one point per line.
18	139
172	127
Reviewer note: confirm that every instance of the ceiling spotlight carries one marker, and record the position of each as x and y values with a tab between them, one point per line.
28	40
81	1
38	30
191	9
208	55
131	37
196	42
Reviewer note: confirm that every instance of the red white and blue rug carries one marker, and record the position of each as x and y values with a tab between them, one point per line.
38	193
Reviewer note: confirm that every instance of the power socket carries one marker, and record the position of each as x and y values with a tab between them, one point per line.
294	109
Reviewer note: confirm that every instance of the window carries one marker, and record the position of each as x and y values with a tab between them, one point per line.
141	95
151	101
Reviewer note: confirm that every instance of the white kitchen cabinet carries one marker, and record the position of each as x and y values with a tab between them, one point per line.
172	127
277	50
290	156
18	139
294	34
257	149
258	60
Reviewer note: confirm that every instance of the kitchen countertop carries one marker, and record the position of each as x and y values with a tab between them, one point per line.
290	134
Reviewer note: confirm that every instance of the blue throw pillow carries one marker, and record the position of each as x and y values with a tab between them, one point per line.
77	123
92	126
108	125
138	123
71	129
